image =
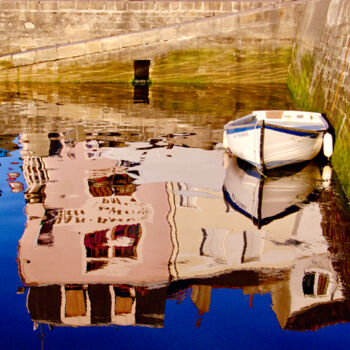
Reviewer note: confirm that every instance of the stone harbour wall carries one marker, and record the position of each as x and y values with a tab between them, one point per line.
28	24
226	48
319	76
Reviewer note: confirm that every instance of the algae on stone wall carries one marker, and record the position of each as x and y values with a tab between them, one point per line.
299	82
222	65
341	156
217	65
307	90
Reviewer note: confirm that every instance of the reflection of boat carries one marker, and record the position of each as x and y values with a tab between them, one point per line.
270	139
266	199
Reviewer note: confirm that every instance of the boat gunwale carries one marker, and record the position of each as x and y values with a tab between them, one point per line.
276	127
251	120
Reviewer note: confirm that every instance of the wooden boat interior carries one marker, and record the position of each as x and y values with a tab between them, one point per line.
290	119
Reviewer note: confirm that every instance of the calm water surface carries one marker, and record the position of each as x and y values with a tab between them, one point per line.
123	224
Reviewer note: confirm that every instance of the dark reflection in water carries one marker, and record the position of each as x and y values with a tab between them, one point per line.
135	216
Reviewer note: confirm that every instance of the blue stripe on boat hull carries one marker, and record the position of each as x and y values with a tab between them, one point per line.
274	128
291	132
243	129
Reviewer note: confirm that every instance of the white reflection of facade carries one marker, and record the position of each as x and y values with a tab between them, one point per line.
169	223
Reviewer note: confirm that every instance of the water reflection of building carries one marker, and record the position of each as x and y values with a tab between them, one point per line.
96	304
117	231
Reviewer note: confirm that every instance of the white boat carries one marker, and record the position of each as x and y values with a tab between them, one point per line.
270	139
265	199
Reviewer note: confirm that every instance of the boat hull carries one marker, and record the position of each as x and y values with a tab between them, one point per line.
268	146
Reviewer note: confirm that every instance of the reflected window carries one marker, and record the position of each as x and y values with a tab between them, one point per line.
45	237
119	242
95	244
95	265
118	184
125	239
123	300
187	199
100	187
35	194
35	174
315	284
75	301
55	144
122	185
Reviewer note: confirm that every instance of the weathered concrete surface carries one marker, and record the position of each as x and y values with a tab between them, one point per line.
218	49
319	74
28	24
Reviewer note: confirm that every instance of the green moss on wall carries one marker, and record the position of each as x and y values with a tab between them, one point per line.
312	98
341	156
6	64
222	65
299	81
191	66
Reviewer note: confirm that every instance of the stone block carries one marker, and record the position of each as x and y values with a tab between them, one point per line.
71	50
33	5
198	6
24	58
250	17
94	46
197	28
150	36
110	43
215	6
168	33
120	6
67	5
159	20
227	6
8	5
134	6
230	23
49	5
236	6
270	15
46	71
130	39
214	26
174	6
11	74
162	6
109	6
46	54
188	29
6	62
96	5
187	6
25	74
82	5
21	5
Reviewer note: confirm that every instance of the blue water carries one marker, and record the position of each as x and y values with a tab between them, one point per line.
233	321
